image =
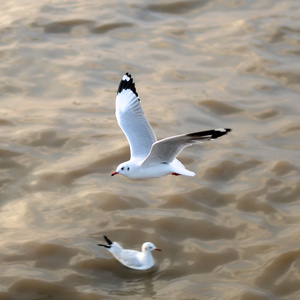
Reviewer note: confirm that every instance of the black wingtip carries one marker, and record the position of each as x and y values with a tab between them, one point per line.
102	245
210	134
220	132
109	242
127	83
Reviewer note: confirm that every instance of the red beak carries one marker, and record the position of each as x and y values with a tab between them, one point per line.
114	173
157	249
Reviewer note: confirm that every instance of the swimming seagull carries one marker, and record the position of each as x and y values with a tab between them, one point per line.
150	158
131	258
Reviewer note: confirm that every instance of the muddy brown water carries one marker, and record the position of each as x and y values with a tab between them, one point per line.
230	232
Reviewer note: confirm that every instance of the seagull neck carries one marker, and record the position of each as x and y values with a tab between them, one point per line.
146	257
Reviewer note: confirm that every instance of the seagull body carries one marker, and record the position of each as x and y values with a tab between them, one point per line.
150	158
131	258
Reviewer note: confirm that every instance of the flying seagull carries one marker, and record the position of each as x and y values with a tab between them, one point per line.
150	158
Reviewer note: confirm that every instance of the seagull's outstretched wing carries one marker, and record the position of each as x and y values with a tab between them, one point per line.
166	150
131	119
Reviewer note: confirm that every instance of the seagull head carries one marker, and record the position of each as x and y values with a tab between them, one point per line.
147	247
123	169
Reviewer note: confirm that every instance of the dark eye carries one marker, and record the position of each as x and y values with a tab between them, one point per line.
122	168
127	168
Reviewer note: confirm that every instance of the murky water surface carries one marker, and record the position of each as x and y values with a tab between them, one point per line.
230	232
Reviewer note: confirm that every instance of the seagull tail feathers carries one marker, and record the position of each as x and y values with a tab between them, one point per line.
183	171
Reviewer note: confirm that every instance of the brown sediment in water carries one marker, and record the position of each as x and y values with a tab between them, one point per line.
230	232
